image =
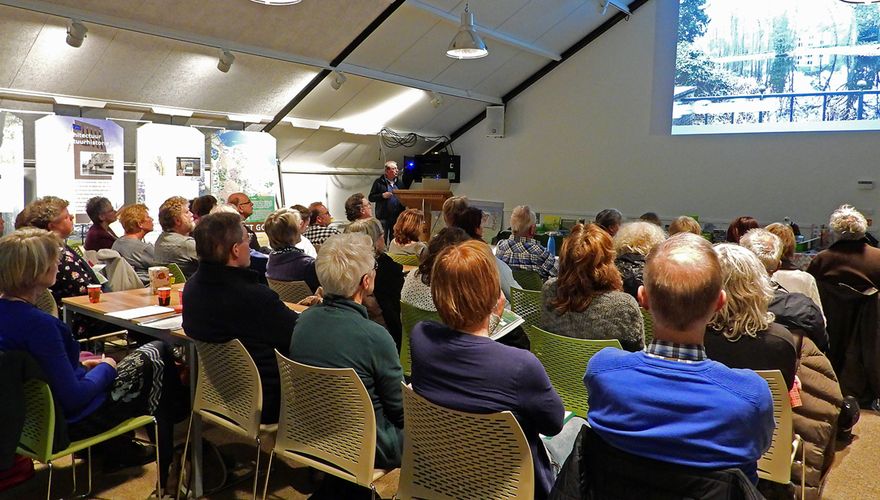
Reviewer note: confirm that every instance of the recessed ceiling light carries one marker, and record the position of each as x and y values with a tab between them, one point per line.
76	33
226	60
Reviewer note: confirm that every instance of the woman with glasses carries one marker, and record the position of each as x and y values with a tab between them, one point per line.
102	214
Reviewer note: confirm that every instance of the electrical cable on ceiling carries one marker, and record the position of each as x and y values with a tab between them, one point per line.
392	139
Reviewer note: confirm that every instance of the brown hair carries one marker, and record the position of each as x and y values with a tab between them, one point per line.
215	234
447	237
131	216
170	210
353	206
683	280
464	284
409	226
586	269
685	224
739	227
469	220
202	205
786	234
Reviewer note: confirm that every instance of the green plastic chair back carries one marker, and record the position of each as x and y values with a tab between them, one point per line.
405	260
565	359
528	304
409	316
78	248
649	325
175	271
529	280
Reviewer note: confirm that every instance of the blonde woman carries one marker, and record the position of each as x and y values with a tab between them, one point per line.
288	262
685	224
136	222
632	243
742	334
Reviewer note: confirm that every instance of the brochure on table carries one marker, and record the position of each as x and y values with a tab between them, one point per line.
78	158
170	162
11	167
246	162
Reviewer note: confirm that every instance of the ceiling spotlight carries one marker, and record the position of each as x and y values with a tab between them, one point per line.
338	79
436	99
467	44
76	33
225	62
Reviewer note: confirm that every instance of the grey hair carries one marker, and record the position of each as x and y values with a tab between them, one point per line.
766	245
748	289
371	227
342	261
521	219
638	237
848	223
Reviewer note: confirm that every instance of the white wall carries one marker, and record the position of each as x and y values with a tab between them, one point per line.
594	133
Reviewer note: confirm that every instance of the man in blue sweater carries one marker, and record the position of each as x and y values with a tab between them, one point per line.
670	402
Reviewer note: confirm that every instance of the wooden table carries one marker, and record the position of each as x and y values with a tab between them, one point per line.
407	269
131	299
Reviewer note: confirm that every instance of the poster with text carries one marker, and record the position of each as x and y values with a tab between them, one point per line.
11	168
78	158
245	162
169	163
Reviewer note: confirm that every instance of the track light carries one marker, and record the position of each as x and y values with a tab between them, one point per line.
436	99
338	79
617	4
76	33
225	62
467	44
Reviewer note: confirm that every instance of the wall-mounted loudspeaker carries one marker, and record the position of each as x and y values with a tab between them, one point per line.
494	121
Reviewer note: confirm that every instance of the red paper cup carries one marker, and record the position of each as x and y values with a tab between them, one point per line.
94	293
164	296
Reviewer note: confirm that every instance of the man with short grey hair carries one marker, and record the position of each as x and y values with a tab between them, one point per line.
521	250
388	207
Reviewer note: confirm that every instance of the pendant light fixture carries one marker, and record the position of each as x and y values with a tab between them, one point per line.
467	44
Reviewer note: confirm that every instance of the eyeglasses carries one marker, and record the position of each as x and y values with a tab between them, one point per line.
249	202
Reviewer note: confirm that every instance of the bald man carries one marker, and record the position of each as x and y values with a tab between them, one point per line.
245	207
691	410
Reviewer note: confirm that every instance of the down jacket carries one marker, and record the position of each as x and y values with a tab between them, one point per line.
816	419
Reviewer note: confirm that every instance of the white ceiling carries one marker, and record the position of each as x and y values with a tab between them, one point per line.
164	53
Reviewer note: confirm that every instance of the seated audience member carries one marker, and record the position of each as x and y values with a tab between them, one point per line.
610	220
521	250
417	284
93	396
739	226
136	222
389	279
225	300
789	243
742	333
337	333
631	244
287	262
202	206
175	245
651	217
407	234
685	224
304	244
453	207
586	301
792	309
853	262
358	207
690	410
245	207
319	224
102	214
459	367
470	220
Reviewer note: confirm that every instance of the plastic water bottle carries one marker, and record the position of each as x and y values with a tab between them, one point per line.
551	245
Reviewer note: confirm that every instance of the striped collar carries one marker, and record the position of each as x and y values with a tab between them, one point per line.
687	353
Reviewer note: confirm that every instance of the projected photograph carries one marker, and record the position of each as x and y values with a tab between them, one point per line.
776	66
95	164
189	167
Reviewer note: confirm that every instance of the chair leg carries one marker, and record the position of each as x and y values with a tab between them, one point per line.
257	469
49	486
89	465
159	491
73	468
268	472
183	459
373	494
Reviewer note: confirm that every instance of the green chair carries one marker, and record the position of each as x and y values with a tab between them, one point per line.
409	316
649	325
177	273
38	433
529	280
78	248
565	359
290	291
528	304
405	260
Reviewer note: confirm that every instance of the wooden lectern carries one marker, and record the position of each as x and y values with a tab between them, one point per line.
425	199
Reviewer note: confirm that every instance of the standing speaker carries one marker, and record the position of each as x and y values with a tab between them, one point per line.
494	121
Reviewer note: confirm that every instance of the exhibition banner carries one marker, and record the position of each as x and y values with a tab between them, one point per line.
170	162
11	167
78	158
246	162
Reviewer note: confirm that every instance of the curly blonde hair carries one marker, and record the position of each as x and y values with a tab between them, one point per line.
131	217
848	223
638	237
747	285
40	212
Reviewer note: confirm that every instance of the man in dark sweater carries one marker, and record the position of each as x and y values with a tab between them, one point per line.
388	207
670	402
224	300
